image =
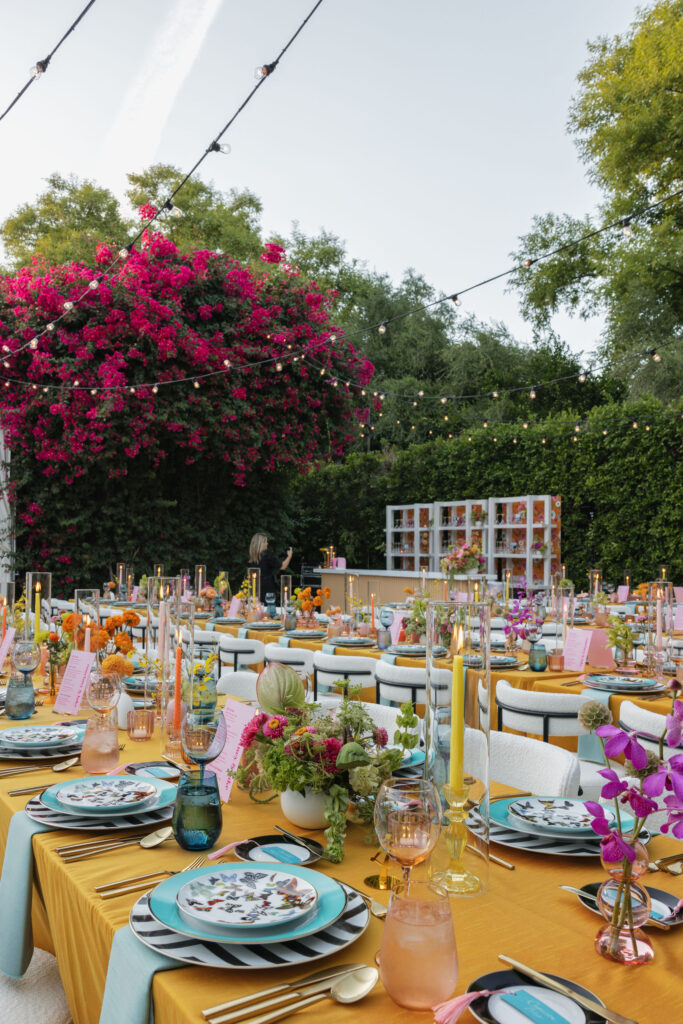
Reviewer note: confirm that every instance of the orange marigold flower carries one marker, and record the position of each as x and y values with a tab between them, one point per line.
327	593
306	606
317	601
114	664
113	623
123	643
131	618
53	638
408	590
68	623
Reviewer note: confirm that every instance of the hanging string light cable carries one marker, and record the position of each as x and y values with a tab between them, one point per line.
41	66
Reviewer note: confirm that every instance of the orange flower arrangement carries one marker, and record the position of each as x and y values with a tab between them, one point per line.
115	664
317	601
327	593
130	618
409	591
123	643
113	623
68	623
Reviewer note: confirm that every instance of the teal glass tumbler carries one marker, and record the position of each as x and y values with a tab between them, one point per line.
197	815
538	658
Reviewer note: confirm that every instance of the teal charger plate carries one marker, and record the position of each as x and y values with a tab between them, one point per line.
166	794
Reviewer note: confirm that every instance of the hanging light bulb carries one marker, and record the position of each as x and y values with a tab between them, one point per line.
76	383
532	393
333	338
469	438
647	426
124	253
155	390
495	439
322	372
526	425
577	428
362	391
455	299
93	285
40	67
445	417
226	363
420	394
220	147
575	438
486	423
176	211
132	391
196	384
33	343
6	364
443	401
263	70
45	391
542	440
49	327
625	226
514	440
528	262
635	424
382	329
494	394
582	378
68	306
414	403
604	433
413	427
93	391
656	356
278	367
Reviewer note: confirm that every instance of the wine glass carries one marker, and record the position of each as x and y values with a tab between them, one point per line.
26	657
407	821
203	736
103	691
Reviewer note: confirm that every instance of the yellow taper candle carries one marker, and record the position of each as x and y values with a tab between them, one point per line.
37	627
457	725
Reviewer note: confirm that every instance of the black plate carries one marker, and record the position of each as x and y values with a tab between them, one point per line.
244	849
171	773
667	898
505	979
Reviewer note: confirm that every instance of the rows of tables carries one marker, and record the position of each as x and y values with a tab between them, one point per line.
524	914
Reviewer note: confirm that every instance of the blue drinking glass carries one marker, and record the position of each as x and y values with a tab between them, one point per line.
197	815
538	658
20	698
271	607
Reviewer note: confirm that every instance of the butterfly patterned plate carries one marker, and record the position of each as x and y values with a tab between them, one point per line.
243	897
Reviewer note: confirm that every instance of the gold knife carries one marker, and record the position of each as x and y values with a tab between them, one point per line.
557	986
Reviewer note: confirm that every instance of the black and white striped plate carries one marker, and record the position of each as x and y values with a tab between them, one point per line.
556	846
37	810
48	754
345	930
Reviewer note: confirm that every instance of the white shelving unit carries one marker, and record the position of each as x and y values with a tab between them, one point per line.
410	537
518	525
506	529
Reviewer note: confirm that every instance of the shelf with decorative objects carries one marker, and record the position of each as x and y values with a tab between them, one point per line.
409	537
519	534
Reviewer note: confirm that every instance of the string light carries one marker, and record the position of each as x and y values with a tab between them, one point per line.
455	299
625	226
382	329
41	66
278	367
528	262
635	424
526	424
494	394
68	306
582	378
220	147
655	355
532	393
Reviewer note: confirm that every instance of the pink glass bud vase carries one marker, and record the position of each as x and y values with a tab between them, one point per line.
625	905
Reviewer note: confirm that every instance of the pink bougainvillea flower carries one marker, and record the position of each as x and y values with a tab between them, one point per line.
620	742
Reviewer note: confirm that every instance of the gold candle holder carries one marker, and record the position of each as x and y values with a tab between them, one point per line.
456	878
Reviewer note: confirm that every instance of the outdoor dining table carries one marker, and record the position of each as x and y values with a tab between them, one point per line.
523	915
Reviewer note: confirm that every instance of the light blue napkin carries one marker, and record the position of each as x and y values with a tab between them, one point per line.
210	626
589	747
329	649
283	641
242	632
16	890
391	658
131	970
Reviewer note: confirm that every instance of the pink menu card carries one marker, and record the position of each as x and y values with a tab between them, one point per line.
678	618
74	682
234	609
236	716
678	594
622	594
576	649
5	645
600	650
396	626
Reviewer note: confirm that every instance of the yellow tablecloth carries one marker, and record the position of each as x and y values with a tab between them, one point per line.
524	915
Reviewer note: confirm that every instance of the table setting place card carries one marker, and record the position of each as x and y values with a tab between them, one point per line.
74	682
600	650
236	717
576	649
622	593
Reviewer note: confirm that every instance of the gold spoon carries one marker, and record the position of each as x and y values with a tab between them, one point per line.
85	850
61	766
349	989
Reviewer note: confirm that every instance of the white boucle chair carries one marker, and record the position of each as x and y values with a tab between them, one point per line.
237	653
299	658
330	668
648	725
401	683
36	998
238	684
546	715
534	766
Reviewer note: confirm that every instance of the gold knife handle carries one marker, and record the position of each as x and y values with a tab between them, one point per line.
557	986
267	1018
140	887
213	1010
134	878
262	1004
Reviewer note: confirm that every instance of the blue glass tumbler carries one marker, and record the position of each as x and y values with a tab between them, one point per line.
538	658
197	815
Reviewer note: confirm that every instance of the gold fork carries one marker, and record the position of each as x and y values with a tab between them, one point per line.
140	882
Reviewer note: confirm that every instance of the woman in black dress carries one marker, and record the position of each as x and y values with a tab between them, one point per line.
260	557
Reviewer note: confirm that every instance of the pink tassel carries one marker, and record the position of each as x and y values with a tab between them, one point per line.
676	910
225	849
449	1012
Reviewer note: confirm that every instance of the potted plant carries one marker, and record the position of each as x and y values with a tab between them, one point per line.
322	764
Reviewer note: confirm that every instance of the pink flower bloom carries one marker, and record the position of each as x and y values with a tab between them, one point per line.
674	725
640	805
274	726
599	824
614	785
613	849
330	751
380	736
147	211
675	818
620	742
252	729
669	776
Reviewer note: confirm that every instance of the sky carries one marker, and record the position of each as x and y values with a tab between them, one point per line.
426	135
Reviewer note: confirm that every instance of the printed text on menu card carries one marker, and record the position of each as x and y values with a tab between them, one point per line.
576	649
236	716
74	682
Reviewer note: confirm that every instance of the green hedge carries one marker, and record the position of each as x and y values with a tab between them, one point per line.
622	492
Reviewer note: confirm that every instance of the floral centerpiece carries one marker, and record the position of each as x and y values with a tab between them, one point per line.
205	598
59	646
521	620
305	602
539	546
624	903
620	635
462	558
415	624
294	746
115	637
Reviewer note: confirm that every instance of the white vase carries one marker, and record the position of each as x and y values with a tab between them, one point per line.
472	572
303	809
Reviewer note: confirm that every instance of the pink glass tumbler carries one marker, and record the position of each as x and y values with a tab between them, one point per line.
418	959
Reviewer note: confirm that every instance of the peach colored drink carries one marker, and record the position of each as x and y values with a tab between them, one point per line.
100	751
418	956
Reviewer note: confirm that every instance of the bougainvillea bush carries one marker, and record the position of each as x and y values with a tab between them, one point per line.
213	393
